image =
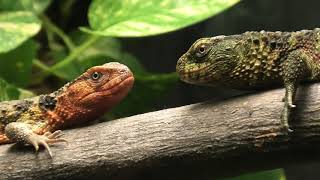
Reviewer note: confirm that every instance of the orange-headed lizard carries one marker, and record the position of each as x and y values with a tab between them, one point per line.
36	120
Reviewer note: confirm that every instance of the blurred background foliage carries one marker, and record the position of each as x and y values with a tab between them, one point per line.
46	43
39	54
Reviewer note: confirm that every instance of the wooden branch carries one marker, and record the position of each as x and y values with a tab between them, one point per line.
199	141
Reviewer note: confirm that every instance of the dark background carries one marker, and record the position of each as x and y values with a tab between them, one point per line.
160	53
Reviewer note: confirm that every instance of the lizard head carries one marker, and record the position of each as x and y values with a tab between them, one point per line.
96	91
208	60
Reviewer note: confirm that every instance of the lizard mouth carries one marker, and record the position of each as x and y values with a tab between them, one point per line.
125	83
118	86
195	75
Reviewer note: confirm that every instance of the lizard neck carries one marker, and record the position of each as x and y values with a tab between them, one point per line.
61	110
64	112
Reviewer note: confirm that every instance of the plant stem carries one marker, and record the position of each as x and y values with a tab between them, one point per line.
52	27
45	71
75	53
40	65
72	56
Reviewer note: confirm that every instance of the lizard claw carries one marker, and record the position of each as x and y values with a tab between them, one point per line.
292	105
287	129
46	139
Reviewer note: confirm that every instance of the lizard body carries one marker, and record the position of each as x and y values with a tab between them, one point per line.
255	60
33	120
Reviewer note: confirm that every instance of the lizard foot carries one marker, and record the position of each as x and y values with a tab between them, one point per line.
46	139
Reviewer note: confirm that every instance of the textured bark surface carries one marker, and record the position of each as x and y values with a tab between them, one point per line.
199	141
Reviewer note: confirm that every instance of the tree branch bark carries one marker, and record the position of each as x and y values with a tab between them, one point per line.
198	141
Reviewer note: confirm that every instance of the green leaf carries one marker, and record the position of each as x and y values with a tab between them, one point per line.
10	92
133	18
37	6
25	93
7	91
103	51
109	49
17	27
277	174
15	66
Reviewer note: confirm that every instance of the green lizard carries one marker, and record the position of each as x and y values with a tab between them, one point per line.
36	120
255	60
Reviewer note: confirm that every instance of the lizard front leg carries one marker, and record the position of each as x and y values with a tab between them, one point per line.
294	68
22	133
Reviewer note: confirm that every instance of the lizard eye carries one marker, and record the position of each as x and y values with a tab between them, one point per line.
202	50
96	75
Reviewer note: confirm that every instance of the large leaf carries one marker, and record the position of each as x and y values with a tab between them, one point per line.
277	174
17	27
37	6
129	18
109	49
7	91
15	66
103	51
10	92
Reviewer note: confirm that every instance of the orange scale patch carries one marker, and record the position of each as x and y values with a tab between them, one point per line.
4	139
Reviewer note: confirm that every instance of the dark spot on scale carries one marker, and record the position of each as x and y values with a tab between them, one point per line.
16	115
22	106
4	111
47	102
279	44
265	39
256	42
273	45
308	33
18	107
31	113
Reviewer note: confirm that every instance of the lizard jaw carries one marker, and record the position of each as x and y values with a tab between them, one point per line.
123	86
200	74
114	91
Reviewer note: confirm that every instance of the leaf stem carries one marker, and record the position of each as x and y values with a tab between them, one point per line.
53	28
45	71
40	65
75	53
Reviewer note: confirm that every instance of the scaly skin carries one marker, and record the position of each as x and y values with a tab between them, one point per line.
255	60
31	121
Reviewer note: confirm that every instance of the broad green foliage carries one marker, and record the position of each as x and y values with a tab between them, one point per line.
18	71
102	51
37	6
16	27
9	92
277	174
132	18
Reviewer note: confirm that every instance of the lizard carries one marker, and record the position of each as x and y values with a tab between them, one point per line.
37	121
255	60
